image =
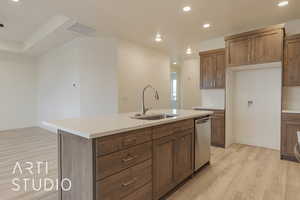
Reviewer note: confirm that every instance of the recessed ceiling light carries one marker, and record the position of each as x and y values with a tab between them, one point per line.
187	8
189	51
283	3
174	63
206	25
1	25
158	38
15	0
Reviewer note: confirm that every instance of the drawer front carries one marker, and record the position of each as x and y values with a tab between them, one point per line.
291	117
145	193
128	182
184	125
122	141
116	162
219	113
169	129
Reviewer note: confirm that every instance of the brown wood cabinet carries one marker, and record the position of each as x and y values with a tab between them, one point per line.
289	128
255	47
144	164
218	129
238	51
184	155
291	70
173	160
212	69
163	166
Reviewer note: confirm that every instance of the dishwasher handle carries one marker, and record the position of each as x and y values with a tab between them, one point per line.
202	121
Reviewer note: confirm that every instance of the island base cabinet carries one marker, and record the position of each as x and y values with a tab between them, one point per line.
184	156
144	164
172	161
145	193
163	166
120	185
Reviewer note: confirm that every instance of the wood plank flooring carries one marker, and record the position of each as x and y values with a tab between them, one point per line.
238	173
27	145
244	172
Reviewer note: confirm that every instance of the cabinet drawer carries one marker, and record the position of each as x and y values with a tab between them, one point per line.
127	182
122	141
145	193
183	125
169	129
116	162
291	117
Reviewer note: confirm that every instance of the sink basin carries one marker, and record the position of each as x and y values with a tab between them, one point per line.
154	116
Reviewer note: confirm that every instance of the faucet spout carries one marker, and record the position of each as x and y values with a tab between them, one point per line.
156	96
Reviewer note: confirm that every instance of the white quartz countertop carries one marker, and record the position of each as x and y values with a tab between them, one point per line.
106	125
208	108
291	111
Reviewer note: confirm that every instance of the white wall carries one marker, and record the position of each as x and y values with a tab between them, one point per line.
98	76
18	91
57	71
78	79
292	27
109	76
192	95
137	67
190	81
259	123
291	98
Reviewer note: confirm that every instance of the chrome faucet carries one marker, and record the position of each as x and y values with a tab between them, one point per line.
143	100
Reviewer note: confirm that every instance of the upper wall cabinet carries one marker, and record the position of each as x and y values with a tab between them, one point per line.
212	69
291	70
255	47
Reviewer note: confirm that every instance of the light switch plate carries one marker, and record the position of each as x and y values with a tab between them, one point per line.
298	134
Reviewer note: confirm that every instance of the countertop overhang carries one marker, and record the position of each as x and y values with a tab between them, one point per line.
291	111
101	126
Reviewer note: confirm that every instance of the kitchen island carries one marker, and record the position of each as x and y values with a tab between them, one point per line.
118	157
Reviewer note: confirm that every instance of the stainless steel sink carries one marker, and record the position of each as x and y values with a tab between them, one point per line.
154	116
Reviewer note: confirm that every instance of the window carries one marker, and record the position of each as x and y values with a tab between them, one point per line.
174	90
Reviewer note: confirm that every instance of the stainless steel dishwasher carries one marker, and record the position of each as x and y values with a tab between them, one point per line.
202	141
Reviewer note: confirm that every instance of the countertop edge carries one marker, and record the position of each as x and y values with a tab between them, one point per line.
291	111
109	133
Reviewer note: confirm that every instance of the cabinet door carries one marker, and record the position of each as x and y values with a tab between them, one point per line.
218	130
291	68
207	71
163	166
238	51
220	70
267	47
289	136
183	158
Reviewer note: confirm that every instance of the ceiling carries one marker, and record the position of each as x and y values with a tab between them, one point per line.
140	20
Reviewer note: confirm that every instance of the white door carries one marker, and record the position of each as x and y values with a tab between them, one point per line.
257	107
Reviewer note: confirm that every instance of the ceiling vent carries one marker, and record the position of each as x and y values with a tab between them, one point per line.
81	29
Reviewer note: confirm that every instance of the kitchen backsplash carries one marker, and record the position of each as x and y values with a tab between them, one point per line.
291	98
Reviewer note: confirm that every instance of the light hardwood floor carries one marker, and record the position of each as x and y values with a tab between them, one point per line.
27	145
244	172
238	173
